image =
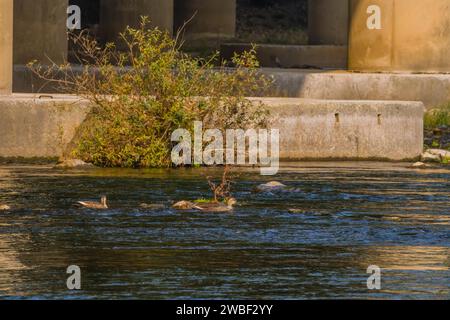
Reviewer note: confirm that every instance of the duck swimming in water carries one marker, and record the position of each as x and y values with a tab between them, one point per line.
95	205
216	206
4	207
184	205
206	207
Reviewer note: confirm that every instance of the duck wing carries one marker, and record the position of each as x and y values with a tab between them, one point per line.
184	205
92	205
212	207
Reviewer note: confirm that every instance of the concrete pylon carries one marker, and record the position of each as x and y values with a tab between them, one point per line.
328	22
207	18
40	31
400	35
6	46
116	15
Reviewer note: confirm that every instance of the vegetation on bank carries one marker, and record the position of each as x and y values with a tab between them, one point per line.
141	95
437	117
437	127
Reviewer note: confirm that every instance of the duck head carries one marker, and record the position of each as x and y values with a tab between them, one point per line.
231	202
103	201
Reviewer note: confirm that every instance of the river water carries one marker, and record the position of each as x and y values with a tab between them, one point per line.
349	216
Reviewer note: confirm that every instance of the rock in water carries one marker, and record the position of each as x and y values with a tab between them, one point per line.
271	186
4	207
436	155
72	164
428	157
444	154
420	165
293	210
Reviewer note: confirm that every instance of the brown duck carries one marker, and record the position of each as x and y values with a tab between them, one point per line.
95	205
184	205
216	206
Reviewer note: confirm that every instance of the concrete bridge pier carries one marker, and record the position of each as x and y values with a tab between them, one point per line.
400	36
40	31
116	15
6	46
328	22
208	18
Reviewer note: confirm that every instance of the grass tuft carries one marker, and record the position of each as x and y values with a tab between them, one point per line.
437	117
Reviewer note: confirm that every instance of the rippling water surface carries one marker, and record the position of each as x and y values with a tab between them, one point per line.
350	216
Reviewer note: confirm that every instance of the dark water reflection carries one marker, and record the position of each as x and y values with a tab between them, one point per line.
353	216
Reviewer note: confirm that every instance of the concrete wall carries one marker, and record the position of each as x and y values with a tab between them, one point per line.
210	18
115	15
328	21
33	127
309	129
321	129
6	46
413	36
40	31
431	89
290	56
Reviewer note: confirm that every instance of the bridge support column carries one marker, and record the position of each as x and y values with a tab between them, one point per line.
40	31
116	15
210	18
328	22
6	46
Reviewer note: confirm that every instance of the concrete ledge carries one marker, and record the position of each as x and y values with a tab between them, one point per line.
291	56
33	126
431	89
327	129
38	127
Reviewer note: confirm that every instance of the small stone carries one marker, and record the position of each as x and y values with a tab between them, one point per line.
271	187
442	154
72	164
420	165
4	207
428	157
296	211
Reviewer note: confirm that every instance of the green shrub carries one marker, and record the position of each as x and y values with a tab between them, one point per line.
140	96
437	117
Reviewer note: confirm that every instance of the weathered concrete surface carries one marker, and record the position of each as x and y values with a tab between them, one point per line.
431	89
328	21
40	31
38	127
413	35
315	129
116	15
6	46
207	18
309	129
293	56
